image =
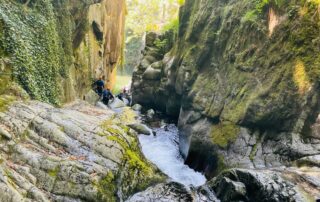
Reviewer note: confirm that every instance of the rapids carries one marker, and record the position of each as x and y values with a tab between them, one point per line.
163	151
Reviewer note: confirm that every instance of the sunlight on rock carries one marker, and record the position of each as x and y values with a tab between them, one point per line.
273	21
301	78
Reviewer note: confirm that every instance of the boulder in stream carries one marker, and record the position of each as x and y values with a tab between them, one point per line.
116	104
141	129
150	114
137	107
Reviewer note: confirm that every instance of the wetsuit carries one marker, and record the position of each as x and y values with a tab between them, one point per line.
100	87
106	96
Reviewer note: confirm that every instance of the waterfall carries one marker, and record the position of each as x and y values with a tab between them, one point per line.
163	151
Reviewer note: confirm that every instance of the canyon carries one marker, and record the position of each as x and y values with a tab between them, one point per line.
228	103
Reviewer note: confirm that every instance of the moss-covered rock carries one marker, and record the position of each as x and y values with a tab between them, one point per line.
77	152
250	69
5	101
136	173
52	47
224	134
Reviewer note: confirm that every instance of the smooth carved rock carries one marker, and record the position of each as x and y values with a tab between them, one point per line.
163	193
92	97
255	185
150	114
65	154
152	74
310	161
5	133
137	107
141	129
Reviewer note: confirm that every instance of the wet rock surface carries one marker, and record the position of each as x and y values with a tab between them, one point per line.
281	184
256	185
74	153
163	193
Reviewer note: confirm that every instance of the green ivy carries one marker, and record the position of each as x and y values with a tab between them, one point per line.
38	54
162	45
259	8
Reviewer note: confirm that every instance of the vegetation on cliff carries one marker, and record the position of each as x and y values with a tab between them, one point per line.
52	50
244	78
36	51
136	173
145	16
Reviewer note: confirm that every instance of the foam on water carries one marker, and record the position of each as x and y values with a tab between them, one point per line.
163	151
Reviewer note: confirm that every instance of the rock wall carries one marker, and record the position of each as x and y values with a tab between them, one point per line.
150	86
55	49
243	77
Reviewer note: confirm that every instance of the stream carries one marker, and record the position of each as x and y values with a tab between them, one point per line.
163	151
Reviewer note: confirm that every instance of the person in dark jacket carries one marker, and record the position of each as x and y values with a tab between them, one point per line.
106	96
99	86
125	95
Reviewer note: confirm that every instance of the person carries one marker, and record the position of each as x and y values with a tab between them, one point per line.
106	96
124	95
99	86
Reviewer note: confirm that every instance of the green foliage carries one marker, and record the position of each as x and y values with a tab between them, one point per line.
172	25
122	81
31	39
147	16
259	7
150	15
5	101
162	45
181	2
250	16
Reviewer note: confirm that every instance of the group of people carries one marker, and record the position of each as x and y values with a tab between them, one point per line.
106	94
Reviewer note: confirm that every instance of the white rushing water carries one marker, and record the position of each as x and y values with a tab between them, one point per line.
163	151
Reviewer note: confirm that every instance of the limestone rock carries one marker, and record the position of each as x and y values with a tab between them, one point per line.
5	133
163	193
250	185
116	103
92	97
74	153
141	129
150	113
310	161
137	107
157	65
228	190
150	38
151	74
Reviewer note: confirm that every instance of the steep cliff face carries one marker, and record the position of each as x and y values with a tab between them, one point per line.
245	76
54	49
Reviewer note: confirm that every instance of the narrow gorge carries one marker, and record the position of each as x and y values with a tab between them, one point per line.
225	100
